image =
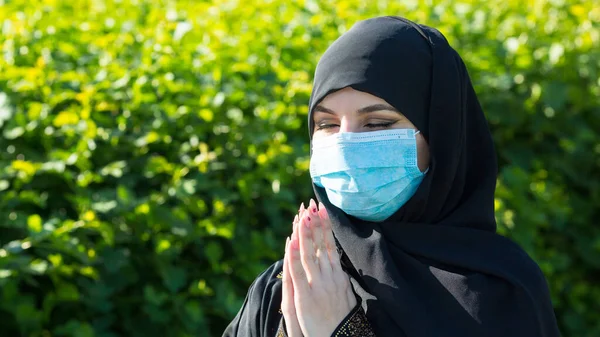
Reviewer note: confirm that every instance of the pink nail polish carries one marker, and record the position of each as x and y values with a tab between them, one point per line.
307	222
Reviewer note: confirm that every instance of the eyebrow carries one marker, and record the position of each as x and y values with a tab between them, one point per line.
363	110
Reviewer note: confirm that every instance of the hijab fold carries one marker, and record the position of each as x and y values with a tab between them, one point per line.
436	267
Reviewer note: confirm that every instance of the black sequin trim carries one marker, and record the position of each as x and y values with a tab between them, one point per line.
355	325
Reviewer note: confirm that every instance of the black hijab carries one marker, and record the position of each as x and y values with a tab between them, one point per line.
436	267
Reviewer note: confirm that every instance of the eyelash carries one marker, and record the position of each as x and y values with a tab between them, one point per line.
382	125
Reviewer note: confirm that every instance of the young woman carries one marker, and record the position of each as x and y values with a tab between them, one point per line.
403	240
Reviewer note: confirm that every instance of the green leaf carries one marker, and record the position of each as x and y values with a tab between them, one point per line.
154	296
34	223
67	292
174	278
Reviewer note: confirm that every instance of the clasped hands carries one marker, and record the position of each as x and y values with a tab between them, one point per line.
317	294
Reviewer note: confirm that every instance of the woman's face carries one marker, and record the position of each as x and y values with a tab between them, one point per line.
350	110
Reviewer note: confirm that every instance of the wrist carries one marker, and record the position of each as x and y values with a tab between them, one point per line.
344	327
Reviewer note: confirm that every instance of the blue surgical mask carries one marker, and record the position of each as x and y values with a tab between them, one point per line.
369	175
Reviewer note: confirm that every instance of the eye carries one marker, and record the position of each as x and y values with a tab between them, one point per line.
380	125
323	126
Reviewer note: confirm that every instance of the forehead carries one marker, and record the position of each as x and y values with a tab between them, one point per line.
349	97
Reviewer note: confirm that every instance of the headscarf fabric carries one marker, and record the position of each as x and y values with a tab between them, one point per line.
436	267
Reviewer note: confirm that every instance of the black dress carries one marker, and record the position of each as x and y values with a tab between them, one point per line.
436	267
265	292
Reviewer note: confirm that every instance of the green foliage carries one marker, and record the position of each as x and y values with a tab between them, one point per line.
152	152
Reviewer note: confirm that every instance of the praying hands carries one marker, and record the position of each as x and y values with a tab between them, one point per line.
317	294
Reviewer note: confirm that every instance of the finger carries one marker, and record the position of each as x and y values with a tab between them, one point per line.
297	219
321	253
288	306
297	273
307	249
287	286
295	226
334	257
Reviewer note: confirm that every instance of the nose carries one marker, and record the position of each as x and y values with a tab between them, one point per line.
347	125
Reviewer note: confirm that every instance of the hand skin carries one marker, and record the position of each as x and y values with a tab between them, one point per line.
317	294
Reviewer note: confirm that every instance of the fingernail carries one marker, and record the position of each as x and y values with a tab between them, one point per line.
301	208
307	222
313	206
296	218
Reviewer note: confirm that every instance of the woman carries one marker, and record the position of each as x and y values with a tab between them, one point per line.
403	165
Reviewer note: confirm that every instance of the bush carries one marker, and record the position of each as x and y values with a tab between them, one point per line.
153	152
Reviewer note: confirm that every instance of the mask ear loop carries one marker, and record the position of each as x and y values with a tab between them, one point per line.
427	170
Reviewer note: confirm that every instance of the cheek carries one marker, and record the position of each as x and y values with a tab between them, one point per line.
320	134
422	153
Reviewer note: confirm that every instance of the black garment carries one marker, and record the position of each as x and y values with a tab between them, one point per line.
355	324
260	314
436	267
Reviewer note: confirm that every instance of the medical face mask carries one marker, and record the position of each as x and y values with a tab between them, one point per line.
369	175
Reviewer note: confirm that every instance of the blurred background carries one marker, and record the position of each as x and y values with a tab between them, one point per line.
153	153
